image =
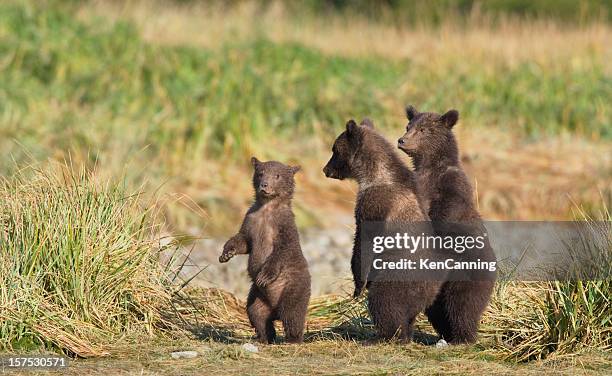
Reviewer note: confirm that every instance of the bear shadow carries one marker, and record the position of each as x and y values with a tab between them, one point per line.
215	333
361	330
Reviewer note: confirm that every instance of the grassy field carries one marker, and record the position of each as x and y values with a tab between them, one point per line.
334	345
122	123
154	94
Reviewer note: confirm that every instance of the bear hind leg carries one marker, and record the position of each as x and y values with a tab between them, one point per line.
293	317
437	316
391	318
261	317
457	311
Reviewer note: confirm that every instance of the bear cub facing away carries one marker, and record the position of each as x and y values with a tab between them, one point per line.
276	265
448	200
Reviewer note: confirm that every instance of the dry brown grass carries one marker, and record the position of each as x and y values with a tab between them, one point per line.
511	328
322	358
513	179
511	41
518	180
325	351
337	327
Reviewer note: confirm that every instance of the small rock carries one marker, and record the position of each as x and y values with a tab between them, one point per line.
441	343
249	347
184	354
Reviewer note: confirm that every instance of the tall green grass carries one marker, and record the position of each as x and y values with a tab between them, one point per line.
535	320
78	264
97	89
532	321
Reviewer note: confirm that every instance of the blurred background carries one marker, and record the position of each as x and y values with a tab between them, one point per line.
174	97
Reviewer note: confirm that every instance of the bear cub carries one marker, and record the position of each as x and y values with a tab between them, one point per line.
276	265
449	203
387	194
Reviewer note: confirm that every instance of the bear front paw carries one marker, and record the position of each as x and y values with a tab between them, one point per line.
265	277
226	256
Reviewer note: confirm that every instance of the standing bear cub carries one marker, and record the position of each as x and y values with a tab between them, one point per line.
387	194
448	200
276	265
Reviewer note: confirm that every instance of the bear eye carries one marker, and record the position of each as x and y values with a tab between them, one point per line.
277	176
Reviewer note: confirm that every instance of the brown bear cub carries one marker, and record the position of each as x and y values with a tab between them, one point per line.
362	154
276	265
448	199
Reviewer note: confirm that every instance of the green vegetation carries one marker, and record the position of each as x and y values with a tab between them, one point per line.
78	258
547	319
78	267
94	91
100	90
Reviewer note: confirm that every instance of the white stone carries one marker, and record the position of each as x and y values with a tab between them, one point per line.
184	354
250	347
441	343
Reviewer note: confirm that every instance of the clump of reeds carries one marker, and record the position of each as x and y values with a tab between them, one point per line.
537	319
78	263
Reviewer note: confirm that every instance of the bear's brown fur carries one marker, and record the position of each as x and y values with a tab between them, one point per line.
448	198
362	154
276	265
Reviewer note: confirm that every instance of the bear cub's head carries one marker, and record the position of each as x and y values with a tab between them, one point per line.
427	133
273	179
345	148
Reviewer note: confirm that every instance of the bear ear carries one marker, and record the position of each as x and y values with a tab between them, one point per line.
351	127
411	112
295	169
450	118
255	162
367	122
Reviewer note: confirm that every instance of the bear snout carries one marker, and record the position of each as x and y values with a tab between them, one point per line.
402	144
330	173
326	171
